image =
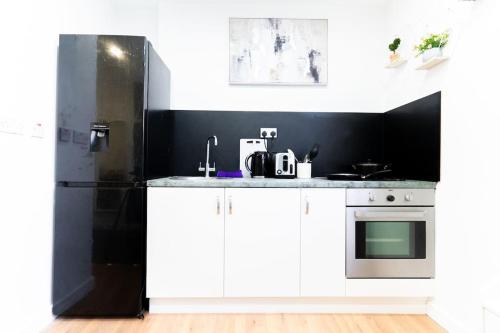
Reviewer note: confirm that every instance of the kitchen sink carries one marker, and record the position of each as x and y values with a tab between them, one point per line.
186	178
196	178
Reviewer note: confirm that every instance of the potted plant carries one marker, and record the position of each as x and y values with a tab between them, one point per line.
393	47
432	46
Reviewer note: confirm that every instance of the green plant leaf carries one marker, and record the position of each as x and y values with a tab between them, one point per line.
395	44
432	41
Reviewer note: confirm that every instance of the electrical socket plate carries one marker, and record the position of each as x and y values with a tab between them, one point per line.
37	130
11	126
268	133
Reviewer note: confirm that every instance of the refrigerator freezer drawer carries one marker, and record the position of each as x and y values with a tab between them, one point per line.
98	251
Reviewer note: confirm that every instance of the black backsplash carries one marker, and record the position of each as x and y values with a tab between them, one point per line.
413	138
343	137
407	136
159	144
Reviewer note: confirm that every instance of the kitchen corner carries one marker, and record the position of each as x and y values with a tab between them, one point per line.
356	222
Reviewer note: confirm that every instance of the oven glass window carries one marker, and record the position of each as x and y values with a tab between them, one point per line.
390	240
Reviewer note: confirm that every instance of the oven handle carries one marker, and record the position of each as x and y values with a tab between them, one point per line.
389	215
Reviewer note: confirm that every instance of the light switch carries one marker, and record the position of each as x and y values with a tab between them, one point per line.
11	126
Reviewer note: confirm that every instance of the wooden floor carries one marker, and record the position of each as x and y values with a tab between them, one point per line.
254	323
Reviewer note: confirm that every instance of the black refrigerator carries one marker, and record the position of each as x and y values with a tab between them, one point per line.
107	89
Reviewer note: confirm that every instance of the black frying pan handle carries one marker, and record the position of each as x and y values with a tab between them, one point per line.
375	173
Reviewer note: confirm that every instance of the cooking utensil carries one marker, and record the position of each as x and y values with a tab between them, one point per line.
369	167
357	176
376	173
312	154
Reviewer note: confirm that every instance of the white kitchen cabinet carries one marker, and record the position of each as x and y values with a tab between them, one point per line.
185	242
322	242
255	242
262	243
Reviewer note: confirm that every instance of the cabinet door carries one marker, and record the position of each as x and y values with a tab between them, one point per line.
322	242
262	254
185	244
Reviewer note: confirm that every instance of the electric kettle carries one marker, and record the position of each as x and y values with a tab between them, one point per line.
259	164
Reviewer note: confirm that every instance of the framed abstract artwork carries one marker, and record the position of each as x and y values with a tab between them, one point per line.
278	51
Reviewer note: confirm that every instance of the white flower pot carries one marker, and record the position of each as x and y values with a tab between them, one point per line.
431	53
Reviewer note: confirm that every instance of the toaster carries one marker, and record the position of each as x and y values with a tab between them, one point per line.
284	165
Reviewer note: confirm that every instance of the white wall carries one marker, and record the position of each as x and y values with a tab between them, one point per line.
194	42
27	89
27	86
110	17
467	226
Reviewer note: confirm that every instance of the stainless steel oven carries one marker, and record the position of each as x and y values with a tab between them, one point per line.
390	233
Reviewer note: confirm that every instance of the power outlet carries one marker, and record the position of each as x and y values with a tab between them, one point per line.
265	133
37	130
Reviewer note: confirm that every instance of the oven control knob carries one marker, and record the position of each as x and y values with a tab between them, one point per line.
408	196
371	197
390	197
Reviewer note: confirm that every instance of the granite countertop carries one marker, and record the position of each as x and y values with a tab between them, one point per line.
179	181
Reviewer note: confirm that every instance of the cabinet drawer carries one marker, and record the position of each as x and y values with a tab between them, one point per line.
390	287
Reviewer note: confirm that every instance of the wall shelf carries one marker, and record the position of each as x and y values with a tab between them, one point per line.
396	63
431	63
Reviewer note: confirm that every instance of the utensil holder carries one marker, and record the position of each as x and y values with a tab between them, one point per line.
304	170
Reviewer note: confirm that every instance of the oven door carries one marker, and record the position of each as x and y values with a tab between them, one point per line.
390	242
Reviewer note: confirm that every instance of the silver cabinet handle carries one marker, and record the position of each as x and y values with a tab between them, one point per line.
218	205
230	205
307	206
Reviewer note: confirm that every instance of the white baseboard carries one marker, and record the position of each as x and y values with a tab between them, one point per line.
288	305
45	324
445	319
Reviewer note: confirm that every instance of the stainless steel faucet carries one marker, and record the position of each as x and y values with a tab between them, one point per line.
207	167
